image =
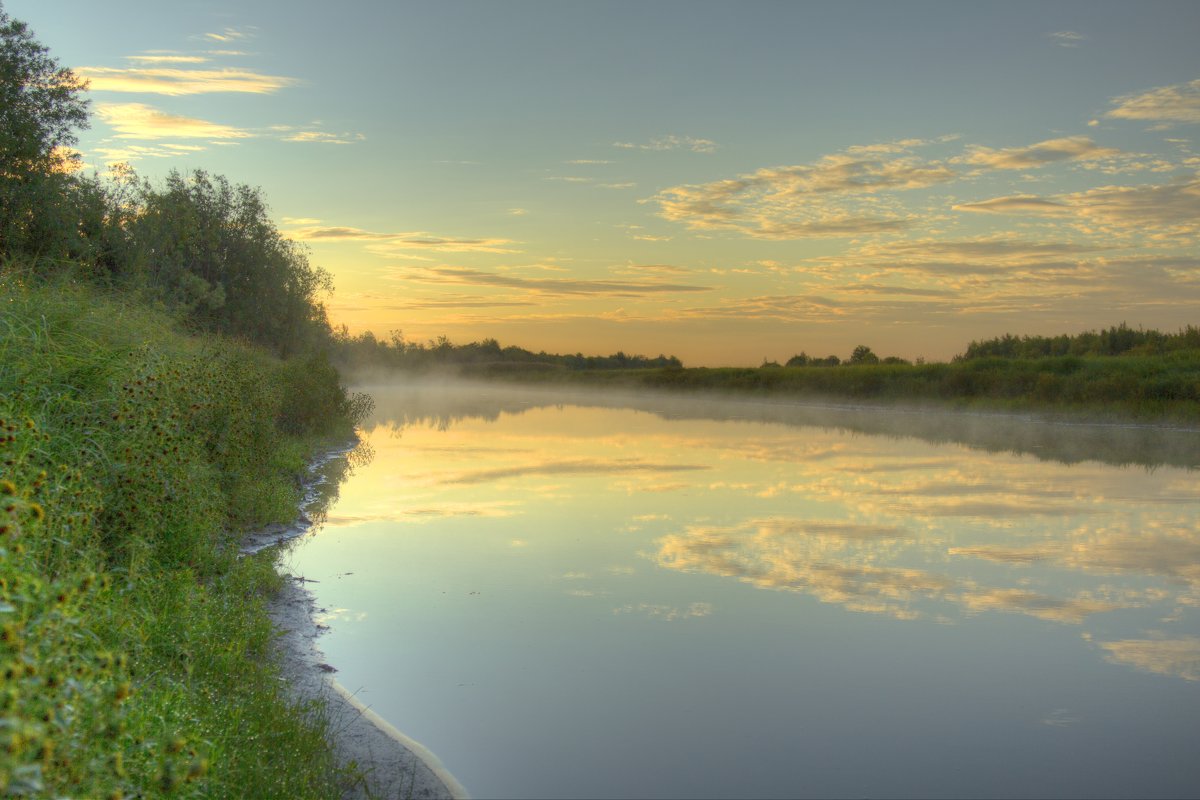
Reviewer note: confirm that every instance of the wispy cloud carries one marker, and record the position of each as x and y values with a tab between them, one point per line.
1068	38
140	121
1071	148
230	35
323	137
132	152
1016	204
406	240
671	142
569	467
176	82
166	58
1177	103
553	286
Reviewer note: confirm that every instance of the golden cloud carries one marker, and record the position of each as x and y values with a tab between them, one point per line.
1178	103
1071	148
1154	208
401	241
140	121
558	286
1179	657
176	82
320	137
815	200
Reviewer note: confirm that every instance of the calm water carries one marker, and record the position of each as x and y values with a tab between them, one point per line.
584	597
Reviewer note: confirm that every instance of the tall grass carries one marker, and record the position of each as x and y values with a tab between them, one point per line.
134	648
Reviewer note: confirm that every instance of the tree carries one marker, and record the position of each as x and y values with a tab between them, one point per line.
863	355
209	248
41	106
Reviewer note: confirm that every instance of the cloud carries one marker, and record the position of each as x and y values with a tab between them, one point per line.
1016	204
573	467
667	613
165	58
133	152
518	212
1179	657
1068	38
321	137
1070	148
140	121
556	286
671	143
583	161
1169	208
832	197
1178	103
175	82
1072	611
230	35
405	240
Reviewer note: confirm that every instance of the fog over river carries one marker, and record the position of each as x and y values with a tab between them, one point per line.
568	593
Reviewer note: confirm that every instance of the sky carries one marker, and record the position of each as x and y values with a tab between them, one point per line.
727	182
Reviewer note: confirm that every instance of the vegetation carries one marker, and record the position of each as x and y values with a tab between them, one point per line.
147	418
365	351
1120	340
134	647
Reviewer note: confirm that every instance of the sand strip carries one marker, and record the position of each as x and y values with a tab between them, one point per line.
391	764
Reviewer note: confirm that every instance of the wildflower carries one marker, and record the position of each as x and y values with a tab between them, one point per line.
8	487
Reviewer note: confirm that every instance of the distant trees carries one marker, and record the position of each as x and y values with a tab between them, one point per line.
366	350
1113	341
863	355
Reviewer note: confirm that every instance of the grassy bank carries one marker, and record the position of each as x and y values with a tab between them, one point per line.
1162	387
134	649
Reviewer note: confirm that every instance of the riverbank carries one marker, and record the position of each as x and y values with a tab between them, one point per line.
378	760
375	759
135	643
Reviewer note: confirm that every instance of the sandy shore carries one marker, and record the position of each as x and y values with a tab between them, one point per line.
391	764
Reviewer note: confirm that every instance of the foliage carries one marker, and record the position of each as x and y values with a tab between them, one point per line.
209	248
1113	341
365	351
40	106
133	644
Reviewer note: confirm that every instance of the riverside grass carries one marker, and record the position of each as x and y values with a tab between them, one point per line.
135	651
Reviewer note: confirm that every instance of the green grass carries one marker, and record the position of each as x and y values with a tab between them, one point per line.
134	647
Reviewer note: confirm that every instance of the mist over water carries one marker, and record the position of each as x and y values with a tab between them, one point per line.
578	593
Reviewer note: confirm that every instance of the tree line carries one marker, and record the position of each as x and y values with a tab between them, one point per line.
1116	340
366	350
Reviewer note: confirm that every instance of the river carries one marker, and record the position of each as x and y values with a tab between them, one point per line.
575	594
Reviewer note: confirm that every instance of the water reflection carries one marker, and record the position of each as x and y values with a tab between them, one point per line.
670	573
442	403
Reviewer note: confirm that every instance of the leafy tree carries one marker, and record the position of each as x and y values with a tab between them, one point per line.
41	105
801	359
863	355
210	248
